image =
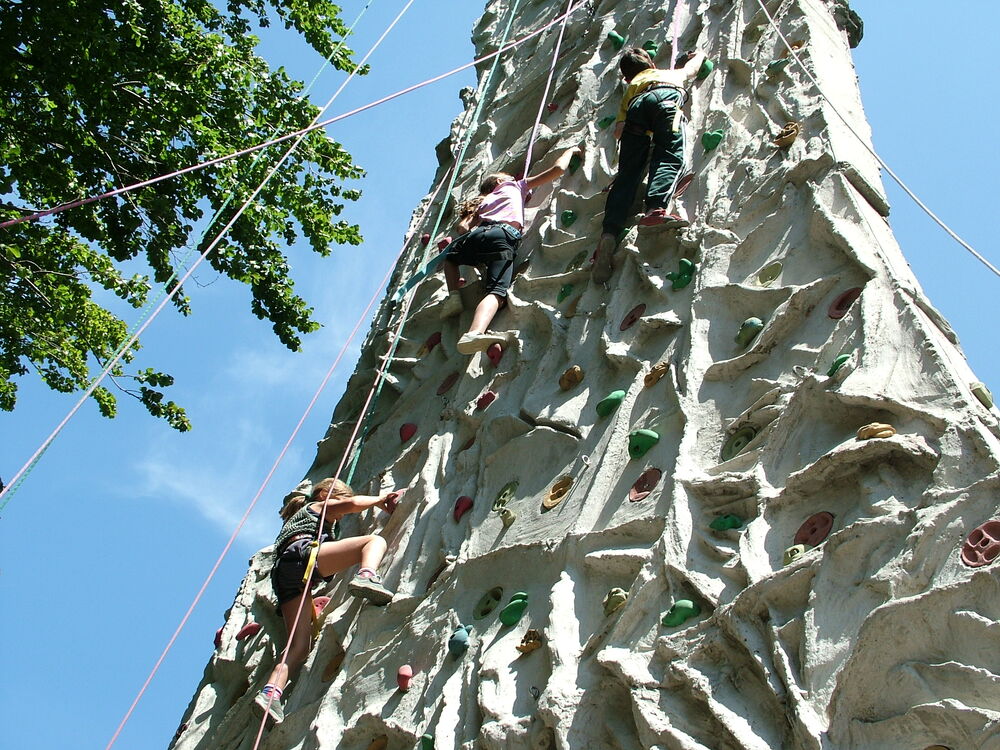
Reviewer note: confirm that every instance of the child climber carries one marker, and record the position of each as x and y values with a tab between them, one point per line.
651	106
292	551
490	227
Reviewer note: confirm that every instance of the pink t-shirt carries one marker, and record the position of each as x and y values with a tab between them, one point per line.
506	203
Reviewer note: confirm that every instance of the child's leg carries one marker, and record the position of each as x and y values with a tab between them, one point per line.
634	151
666	162
335	557
299	640
486	310
451	274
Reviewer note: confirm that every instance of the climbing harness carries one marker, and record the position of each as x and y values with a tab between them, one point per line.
311	565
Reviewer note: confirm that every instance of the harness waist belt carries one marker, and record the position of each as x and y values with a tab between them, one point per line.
288	543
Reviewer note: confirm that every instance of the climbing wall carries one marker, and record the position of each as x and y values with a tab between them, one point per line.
710	553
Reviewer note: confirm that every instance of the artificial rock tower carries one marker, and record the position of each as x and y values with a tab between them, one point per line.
789	584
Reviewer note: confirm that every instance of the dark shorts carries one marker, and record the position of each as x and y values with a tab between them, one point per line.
286	575
492	245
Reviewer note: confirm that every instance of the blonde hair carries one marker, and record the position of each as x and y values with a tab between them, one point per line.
469	208
325	489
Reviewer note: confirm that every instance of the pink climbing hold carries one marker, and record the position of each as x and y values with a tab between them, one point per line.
462	506
485	400
633	315
404	676
983	545
247	631
447	383
815	530
645	484
407	431
839	307
425	238
218	637
319	602
494	354
444	242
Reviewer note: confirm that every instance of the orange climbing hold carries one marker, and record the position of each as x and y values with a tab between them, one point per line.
407	431
572	376
658	371
557	493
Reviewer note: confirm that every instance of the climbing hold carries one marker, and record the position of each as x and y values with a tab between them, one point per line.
535	692
815	530
726	522
711	139
530	641
682	611
427	742
738	441
448	382
645	484
444	242
839	307
610	402
461	282
983	545
557	492
458	644
787	135
567	217
793	553
392	501
494	354
577	261
980	391
505	495
407	431
319	603
837	364
507	517
707	66
640	441
633	315
485	400
606	122
614	600
425	238
379	743
683	184
218	637
683	276
468	444
769	273
248	630
462	506
404	676
564	292
748	331
572	376
433	340
574	163
651	47
876	430
510	614
616	39
488	602
551	106
776	66
656	372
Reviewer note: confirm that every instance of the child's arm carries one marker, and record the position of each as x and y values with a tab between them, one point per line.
556	170
340	507
692	66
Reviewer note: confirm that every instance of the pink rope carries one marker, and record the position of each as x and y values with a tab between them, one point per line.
548	84
675	51
281	139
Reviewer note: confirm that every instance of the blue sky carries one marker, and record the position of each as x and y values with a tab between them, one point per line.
140	513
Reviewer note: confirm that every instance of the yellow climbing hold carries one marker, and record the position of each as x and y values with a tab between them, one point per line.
572	376
557	493
876	430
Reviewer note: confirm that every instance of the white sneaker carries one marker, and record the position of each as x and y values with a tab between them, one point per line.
470	343
452	306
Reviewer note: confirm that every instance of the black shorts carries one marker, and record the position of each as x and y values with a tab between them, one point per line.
492	245
286	575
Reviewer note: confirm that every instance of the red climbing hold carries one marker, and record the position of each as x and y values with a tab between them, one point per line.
462	506
248	630
392	501
633	315
840	306
684	183
404	676
485	400
407	431
447	383
645	484
461	281
425	238
552	106
983	545
444	242
468	444
319	602
218	637
494	354
433	340
815	530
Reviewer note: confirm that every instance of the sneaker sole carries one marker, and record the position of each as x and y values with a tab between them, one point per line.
471	347
376	596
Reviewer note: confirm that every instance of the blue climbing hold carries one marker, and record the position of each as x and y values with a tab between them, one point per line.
458	644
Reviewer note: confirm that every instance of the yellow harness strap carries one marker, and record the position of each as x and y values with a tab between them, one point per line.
313	552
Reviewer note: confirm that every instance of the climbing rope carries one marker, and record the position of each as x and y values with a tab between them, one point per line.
675	49
923	206
164	288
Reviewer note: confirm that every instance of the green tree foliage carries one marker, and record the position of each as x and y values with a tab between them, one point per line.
98	94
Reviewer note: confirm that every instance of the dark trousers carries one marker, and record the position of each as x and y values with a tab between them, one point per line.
650	111
492	245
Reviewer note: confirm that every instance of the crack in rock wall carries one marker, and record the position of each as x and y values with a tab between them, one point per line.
812	581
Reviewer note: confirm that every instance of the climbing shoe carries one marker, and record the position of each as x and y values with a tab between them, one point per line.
602	258
452	306
470	343
657	217
275	713
370	587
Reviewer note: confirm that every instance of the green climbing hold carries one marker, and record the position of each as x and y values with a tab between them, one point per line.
564	292
748	331
837	364
577	261
605	122
773	68
510	614
427	742
710	139
610	402
682	611
640	441
574	163
726	522
505	495
614	600
616	39
682	277
707	66
738	441
651	47
567	217
488	602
